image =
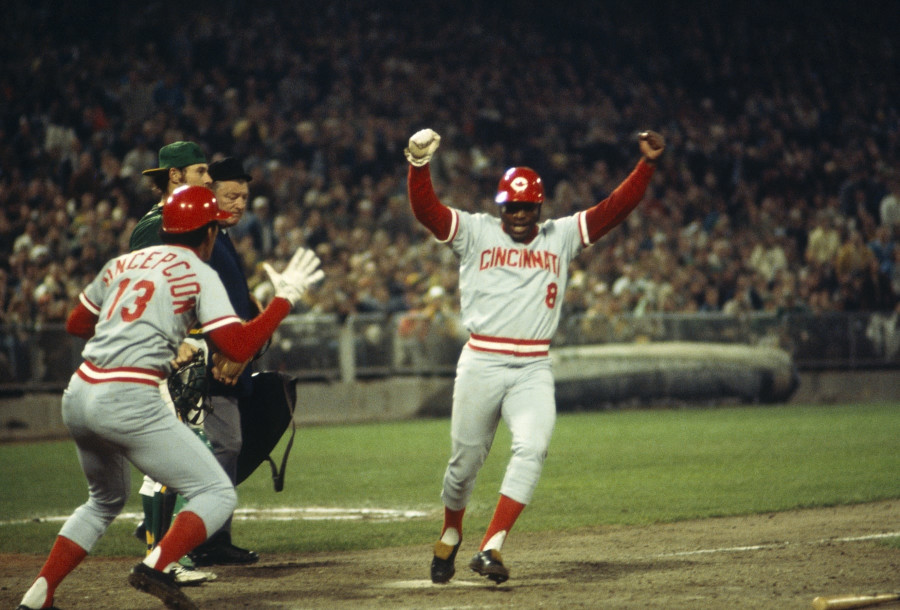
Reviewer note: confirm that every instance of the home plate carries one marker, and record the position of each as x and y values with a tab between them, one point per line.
427	584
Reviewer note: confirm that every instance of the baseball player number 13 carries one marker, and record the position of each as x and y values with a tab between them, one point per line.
146	289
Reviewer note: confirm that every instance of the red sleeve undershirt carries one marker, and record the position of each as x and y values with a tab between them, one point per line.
602	217
238	341
81	322
426	206
613	210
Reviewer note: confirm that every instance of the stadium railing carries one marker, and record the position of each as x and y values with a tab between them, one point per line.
365	346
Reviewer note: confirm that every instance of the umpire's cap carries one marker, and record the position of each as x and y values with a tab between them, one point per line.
189	208
177	154
228	169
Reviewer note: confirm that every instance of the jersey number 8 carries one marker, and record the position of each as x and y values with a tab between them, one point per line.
552	292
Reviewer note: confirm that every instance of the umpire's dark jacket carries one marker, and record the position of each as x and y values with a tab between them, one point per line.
227	263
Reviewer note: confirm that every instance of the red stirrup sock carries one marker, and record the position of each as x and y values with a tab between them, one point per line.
64	557
505	515
187	531
453	520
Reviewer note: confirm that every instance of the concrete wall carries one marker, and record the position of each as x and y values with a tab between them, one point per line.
37	416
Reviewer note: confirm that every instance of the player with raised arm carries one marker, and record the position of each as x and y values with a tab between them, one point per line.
512	277
135	313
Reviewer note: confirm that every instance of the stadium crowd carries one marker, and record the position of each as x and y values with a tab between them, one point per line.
779	191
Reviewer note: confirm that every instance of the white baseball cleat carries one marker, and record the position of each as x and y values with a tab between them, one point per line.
188	577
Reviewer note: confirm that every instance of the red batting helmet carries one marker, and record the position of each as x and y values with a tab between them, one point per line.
520	184
189	208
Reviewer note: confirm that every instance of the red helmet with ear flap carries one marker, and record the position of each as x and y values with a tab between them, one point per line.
189	208
520	184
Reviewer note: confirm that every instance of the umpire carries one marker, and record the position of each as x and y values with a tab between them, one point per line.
229	381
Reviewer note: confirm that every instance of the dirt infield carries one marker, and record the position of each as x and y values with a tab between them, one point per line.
779	560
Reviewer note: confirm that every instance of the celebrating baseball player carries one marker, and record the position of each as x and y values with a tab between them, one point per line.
135	314
512	278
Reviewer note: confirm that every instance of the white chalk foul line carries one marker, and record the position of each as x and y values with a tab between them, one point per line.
307	513
312	513
780	545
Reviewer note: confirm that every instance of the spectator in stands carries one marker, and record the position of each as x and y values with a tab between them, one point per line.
882	246
324	139
768	257
258	224
854	257
824	239
889	206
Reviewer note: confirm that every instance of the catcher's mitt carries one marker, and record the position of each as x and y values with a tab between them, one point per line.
188	387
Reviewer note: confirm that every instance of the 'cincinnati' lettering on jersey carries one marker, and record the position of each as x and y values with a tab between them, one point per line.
520	258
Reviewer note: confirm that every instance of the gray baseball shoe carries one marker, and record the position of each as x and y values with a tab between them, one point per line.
161	585
443	564
490	564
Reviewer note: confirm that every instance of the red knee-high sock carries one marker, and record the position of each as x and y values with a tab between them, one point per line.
454	519
64	557
505	515
187	531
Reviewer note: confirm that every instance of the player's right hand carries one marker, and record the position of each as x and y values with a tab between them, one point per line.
421	147
300	273
226	371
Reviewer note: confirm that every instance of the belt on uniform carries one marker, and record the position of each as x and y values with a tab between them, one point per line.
512	347
126	374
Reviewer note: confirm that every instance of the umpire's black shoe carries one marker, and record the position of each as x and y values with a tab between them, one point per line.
161	585
489	563
443	564
140	532
222	554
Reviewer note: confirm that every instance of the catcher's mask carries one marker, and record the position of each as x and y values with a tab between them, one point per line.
188	389
189	208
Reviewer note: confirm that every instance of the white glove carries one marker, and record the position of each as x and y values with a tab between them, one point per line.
422	145
300	273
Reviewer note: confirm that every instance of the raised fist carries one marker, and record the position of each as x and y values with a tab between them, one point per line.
652	144
421	147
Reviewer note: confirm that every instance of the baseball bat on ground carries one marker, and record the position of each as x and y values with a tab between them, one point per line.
844	602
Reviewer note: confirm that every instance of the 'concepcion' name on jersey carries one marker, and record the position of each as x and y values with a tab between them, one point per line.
510	289
146	301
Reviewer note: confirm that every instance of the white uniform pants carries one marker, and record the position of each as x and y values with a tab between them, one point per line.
489	387
115	423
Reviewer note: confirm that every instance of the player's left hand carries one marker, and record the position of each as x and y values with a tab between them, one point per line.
652	144
302	271
226	371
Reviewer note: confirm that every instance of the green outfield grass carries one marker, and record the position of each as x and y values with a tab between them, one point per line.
615	467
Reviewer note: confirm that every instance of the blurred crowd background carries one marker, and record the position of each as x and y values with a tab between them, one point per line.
778	192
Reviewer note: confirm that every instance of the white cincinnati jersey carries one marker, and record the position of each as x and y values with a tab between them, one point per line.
147	301
510	289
